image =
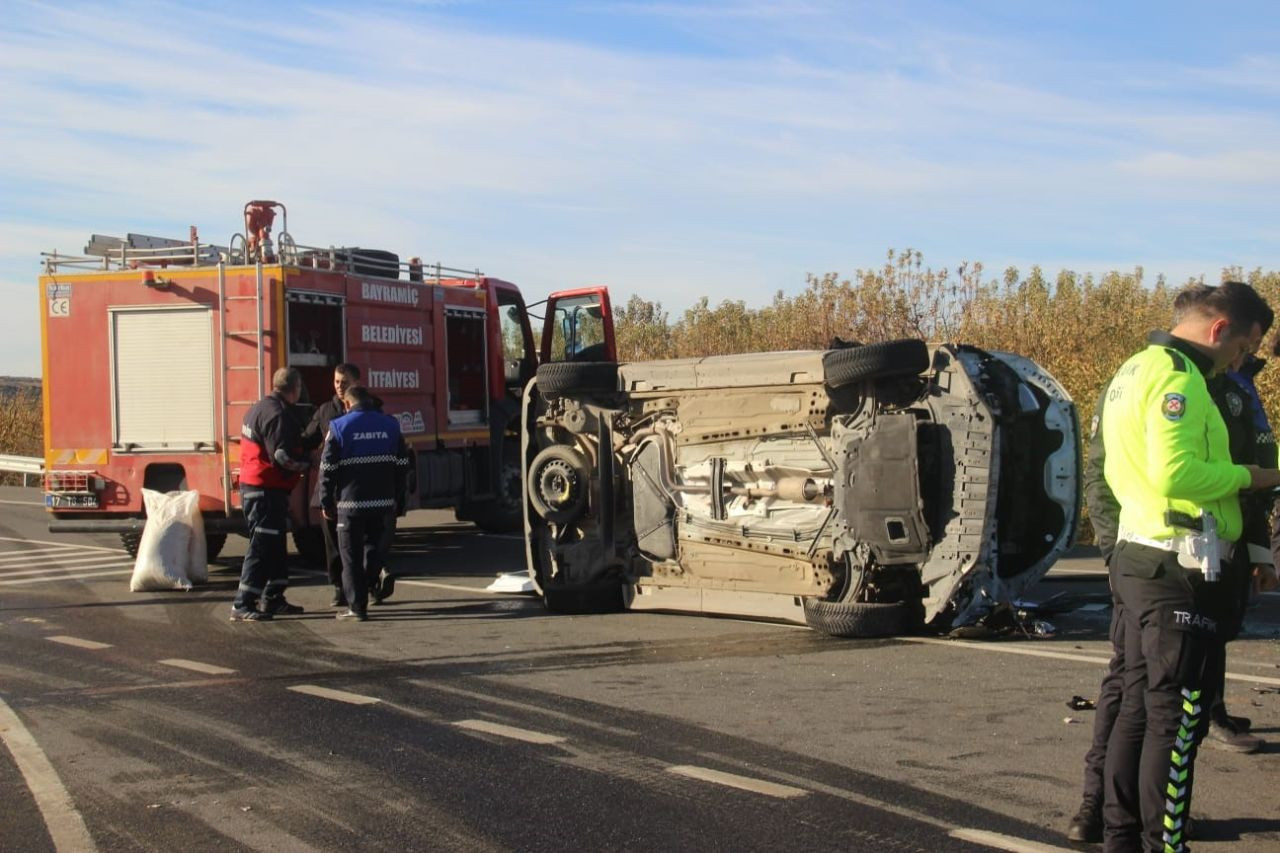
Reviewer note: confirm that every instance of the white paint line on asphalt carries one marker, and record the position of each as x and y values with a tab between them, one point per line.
65	577
99	564
83	561
197	666
733	780
1006	842
77	642
64	544
455	587
66	827
19	556
526	735
336	695
1007	649
22	503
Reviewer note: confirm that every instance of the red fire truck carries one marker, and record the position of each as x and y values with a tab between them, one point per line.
154	349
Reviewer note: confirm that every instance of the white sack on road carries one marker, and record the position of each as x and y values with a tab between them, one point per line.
172	552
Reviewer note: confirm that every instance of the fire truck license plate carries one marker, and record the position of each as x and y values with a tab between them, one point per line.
77	501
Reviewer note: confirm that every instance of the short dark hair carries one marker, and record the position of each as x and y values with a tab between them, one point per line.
1235	300
348	370
357	395
287	379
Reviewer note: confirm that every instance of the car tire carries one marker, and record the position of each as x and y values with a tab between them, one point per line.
577	377
583	600
855	619
906	357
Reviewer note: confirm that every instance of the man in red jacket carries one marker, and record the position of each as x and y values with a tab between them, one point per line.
271	461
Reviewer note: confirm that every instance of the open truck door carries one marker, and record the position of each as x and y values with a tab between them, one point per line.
578	327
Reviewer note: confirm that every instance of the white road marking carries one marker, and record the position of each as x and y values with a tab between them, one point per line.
337	695
197	666
61	571
62	544
434	585
66	827
22	503
77	642
526	735
733	780
19	556
76	559
1004	648
1006	842
65	577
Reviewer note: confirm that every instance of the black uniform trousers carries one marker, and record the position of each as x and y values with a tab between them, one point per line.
332	553
1169	630
1106	710
264	573
363	542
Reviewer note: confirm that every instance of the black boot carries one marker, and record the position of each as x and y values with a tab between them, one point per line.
1086	826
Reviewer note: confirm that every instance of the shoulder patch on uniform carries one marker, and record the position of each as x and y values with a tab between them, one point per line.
1235	404
1174	406
1093	426
1179	363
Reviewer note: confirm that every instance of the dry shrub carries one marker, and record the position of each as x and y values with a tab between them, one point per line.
21	426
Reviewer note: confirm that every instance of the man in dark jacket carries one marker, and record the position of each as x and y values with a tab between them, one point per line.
362	473
271	461
345	375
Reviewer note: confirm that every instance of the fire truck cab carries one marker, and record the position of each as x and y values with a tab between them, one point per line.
154	349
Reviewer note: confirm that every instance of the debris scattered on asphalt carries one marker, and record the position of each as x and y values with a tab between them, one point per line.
511	582
1079	703
1070	720
1265	690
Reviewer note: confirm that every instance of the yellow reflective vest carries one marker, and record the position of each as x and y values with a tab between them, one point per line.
1166	444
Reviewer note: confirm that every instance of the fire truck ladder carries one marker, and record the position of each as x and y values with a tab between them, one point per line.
224	307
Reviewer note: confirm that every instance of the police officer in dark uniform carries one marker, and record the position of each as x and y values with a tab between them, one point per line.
345	375
271	461
1252	441
363	470
1168	462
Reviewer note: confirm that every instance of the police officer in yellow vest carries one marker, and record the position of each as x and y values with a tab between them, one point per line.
1168	463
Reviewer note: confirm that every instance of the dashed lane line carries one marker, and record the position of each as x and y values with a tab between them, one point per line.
1005	842
336	695
451	586
1041	653
22	503
526	735
51	578
77	642
197	666
65	825
733	780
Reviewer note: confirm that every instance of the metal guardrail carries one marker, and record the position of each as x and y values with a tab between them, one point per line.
27	466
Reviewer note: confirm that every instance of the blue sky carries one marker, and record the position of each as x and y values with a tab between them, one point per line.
667	149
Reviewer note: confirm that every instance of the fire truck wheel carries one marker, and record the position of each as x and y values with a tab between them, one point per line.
310	544
906	357
577	377
130	542
504	514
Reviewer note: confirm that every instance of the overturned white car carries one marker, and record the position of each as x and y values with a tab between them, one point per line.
865	491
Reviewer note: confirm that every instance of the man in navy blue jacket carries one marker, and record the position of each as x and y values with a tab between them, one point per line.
363	469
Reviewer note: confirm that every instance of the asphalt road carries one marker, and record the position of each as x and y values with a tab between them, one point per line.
458	719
